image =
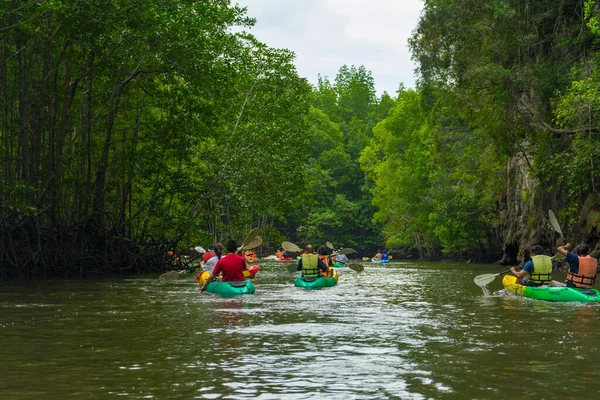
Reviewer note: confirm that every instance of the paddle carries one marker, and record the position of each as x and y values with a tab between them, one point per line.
291	247
356	267
346	251
250	237
555	225
253	244
329	245
485	279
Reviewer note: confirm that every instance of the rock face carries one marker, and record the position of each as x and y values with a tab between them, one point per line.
525	222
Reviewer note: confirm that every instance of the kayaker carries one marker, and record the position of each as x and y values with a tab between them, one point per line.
384	256
208	255
582	267
247	256
341	258
211	263
310	264
378	255
231	267
279	254
537	271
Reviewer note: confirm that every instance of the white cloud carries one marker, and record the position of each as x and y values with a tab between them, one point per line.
326	34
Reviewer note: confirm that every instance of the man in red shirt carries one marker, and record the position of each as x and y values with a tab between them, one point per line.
231	266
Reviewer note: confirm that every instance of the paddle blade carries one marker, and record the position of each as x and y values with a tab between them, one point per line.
250	237
558	257
291	247
554	222
329	245
366	259
347	251
356	267
485	279
292	267
254	244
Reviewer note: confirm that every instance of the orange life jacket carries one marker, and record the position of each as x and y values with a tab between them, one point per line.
586	276
325	259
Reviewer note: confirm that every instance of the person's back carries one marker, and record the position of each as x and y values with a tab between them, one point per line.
211	263
384	256
310	264
232	265
323	253
584	276
542	270
341	258
378	255
538	270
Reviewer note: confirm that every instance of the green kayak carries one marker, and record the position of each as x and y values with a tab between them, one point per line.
550	293
317	283
231	289
339	265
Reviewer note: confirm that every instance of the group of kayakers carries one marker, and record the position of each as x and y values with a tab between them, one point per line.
538	270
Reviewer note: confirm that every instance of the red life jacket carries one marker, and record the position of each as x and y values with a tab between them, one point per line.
586	276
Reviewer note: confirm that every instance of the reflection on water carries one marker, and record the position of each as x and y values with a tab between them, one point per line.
406	330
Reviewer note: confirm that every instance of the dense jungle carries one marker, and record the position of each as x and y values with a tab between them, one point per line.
131	128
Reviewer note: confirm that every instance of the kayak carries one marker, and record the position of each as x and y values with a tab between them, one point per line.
380	261
340	265
317	283
550	293
231	289
275	258
248	273
251	271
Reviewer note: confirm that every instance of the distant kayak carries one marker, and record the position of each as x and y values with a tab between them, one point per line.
317	283
550	293
380	261
251	271
275	258
340	265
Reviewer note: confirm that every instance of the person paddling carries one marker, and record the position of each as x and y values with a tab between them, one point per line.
310	264
211	263
378	255
231	267
538	270
384	256
582	267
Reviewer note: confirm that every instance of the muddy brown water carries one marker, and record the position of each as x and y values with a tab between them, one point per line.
403	331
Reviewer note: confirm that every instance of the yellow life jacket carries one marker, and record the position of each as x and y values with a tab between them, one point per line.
310	266
542	270
586	276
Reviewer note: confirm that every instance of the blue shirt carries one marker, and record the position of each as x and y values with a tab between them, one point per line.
529	268
573	261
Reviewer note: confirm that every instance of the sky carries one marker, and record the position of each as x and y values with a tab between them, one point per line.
326	34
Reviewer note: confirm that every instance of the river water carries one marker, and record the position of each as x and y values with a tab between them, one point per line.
403	331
